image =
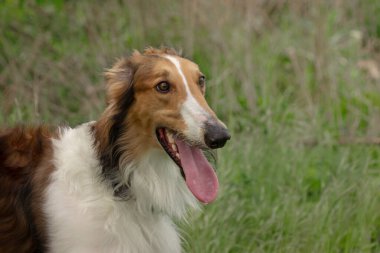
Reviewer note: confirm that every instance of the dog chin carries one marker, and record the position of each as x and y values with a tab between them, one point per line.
158	185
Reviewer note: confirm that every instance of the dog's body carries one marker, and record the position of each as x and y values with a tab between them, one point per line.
109	186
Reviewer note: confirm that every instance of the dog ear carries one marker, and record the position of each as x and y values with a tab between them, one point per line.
120	77
112	123
119	97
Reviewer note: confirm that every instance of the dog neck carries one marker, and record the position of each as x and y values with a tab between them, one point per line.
148	178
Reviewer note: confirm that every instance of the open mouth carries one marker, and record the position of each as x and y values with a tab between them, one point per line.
166	139
198	173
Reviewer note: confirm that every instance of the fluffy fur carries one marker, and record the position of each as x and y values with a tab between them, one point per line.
83	206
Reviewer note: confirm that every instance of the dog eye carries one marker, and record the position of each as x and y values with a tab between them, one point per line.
163	87
202	81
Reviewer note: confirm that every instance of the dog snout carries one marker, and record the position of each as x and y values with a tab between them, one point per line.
216	135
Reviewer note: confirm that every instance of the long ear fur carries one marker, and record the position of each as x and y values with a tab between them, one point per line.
119	78
120	97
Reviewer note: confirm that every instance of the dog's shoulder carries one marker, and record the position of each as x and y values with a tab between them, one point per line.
22	148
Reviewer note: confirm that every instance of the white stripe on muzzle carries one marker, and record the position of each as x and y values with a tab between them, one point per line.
192	113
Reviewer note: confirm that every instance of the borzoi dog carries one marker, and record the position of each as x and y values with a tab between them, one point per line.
113	185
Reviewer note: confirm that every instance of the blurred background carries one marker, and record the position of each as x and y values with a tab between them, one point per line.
297	82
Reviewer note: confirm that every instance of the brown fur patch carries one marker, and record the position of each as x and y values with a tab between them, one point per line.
25	166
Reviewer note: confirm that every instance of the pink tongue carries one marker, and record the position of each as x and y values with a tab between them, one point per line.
200	176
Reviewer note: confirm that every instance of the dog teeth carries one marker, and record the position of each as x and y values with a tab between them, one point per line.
170	138
177	155
174	147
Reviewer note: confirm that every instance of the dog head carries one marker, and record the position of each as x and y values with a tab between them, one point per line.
156	102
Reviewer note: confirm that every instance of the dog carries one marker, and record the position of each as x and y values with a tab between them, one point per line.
115	184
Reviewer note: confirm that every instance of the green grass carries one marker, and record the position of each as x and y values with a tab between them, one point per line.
284	76
278	197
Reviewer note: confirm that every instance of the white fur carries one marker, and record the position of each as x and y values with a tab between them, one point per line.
192	112
85	217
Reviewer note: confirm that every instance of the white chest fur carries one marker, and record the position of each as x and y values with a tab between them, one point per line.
84	216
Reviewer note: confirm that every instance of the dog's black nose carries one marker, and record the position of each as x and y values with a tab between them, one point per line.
216	135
